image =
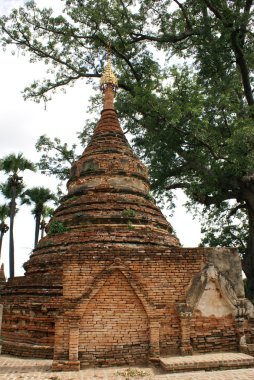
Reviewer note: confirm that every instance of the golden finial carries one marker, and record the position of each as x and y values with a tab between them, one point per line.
108	77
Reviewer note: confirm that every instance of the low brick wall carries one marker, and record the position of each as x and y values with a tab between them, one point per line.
213	334
27	350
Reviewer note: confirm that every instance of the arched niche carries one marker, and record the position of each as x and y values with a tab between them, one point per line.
114	324
72	331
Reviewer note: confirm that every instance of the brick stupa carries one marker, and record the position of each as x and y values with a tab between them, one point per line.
110	283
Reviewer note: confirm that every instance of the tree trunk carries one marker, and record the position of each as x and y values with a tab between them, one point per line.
3	229
11	246
43	224
248	259
37	228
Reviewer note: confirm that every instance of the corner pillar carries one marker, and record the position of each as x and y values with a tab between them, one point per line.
185	314
240	335
71	350
73	339
59	337
240	328
154	340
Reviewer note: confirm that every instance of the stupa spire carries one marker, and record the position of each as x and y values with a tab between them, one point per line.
108	83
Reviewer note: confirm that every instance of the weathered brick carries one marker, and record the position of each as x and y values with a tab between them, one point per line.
107	291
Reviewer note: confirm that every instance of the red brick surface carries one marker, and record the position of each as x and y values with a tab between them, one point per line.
114	326
213	334
106	291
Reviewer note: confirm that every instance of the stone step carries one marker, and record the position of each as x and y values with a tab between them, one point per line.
206	362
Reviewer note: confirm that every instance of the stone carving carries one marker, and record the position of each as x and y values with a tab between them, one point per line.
184	311
211	303
213	294
226	261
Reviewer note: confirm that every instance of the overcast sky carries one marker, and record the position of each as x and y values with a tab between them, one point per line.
22	122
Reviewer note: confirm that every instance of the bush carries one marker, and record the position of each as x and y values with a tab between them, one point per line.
57	228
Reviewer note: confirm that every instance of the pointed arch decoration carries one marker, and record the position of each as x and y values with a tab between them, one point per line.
102	277
68	323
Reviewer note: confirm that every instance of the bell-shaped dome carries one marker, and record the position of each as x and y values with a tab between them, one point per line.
108	206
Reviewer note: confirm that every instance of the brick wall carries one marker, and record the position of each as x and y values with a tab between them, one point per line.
209	334
28	328
114	327
120	299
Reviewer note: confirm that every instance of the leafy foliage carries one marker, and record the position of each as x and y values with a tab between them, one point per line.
4	212
47	212
57	158
222	227
14	164
38	196
6	190
129	213
57	227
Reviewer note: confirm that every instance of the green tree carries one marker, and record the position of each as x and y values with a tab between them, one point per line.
224	227
13	165
4	213
56	158
193	125
38	196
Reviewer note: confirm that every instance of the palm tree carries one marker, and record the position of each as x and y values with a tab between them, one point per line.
4	213
14	165
47	213
38	196
7	191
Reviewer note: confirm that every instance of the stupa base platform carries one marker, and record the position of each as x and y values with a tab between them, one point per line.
206	362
